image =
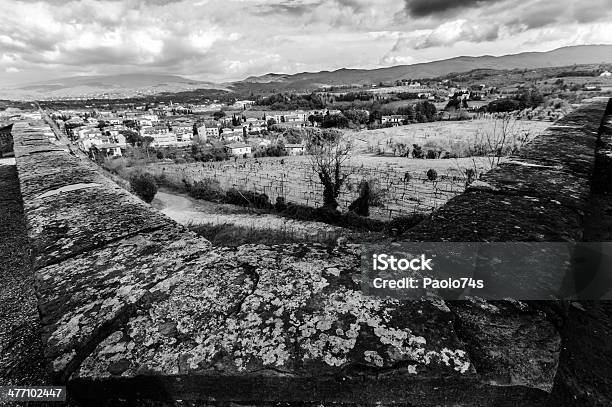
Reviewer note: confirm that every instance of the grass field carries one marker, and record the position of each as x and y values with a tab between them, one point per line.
293	179
444	134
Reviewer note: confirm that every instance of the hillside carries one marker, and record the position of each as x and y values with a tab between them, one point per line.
584	54
142	84
114	86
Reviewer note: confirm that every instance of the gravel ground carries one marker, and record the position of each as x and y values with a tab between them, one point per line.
21	360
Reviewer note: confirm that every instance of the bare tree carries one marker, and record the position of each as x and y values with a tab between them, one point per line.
329	155
502	136
501	139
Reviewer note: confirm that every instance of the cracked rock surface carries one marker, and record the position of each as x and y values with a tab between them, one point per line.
133	305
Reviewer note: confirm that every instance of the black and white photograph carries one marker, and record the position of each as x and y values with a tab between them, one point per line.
306	203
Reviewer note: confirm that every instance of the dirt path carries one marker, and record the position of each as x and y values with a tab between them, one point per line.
186	210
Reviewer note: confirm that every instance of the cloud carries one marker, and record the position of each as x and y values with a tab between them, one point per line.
422	8
231	39
459	30
392	60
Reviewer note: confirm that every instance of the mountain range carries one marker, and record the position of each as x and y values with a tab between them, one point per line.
139	84
583	54
111	86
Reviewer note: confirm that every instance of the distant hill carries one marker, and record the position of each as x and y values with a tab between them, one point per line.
140	84
114	86
583	54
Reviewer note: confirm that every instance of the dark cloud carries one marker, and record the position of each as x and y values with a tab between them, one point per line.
289	7
301	8
355	6
424	8
595	10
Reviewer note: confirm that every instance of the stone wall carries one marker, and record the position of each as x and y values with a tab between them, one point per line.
134	305
6	141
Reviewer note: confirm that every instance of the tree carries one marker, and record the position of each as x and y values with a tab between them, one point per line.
132	124
146	142
144	186
335	120
503	105
361	205
453	104
432	174
330	152
425	111
417	151
357	116
293	135
401	149
501	137
407	112
132	137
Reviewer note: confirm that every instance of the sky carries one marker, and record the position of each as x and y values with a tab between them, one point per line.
226	40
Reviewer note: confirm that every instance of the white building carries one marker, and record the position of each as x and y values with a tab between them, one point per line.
114	120
255	126
163	140
288	117
147	120
238	149
107	150
205	131
183	132
394	120
232	135
243	104
295	149
259	142
154	130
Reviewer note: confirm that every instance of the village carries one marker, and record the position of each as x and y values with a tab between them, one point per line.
238	133
251	128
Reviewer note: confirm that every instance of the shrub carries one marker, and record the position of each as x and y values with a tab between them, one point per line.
432	174
247	198
503	105
143	185
332	217
361	205
280	204
161	179
470	175
114	164
417	151
207	189
378	195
